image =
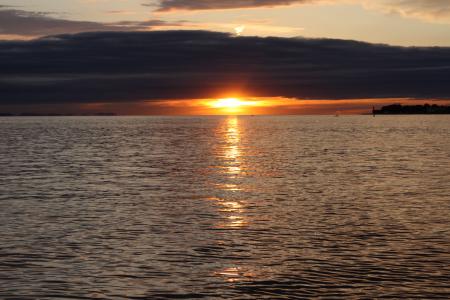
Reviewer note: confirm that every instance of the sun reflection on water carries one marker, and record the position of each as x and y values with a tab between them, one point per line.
230	200
235	274
232	151
229	172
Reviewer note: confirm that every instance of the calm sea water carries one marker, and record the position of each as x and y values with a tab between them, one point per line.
225	207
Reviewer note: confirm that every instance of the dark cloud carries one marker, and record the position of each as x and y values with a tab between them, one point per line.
431	10
167	5
132	66
24	23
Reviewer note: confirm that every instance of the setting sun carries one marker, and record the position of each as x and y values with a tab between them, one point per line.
231	105
228	103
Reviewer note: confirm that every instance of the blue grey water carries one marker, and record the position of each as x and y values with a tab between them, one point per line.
225	207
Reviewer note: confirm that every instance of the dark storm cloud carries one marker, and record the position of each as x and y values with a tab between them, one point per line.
167	5
24	23
130	66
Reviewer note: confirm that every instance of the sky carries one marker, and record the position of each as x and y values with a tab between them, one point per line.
182	56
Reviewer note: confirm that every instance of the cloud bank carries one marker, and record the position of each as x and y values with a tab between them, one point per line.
168	5
134	66
431	10
24	23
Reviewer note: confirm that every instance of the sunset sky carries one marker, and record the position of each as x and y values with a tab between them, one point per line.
186	56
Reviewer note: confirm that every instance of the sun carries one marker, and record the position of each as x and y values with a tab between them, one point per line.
230	103
239	30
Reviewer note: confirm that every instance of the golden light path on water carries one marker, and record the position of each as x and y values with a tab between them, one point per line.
232	151
229	154
231	206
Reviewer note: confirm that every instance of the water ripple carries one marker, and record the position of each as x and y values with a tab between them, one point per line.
225	208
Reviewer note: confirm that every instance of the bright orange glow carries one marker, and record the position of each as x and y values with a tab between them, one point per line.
283	105
228	103
231	105
237	105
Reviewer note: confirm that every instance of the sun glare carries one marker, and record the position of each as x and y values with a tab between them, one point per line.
232	105
239	30
228	103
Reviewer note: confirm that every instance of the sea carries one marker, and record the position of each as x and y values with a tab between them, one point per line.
225	207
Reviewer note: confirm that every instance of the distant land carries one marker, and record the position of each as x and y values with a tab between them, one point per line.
398	109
